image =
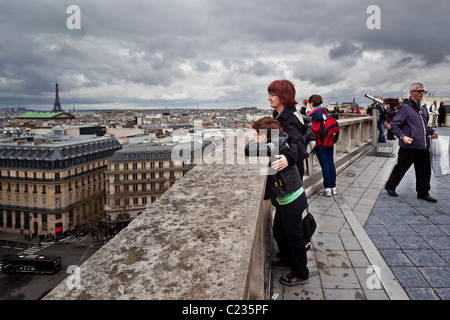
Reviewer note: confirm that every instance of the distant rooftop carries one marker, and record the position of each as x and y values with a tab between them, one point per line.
45	115
55	147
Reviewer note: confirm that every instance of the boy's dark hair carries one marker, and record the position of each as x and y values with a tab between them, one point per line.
267	126
316	100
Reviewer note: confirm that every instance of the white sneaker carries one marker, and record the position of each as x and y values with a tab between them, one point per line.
325	192
334	191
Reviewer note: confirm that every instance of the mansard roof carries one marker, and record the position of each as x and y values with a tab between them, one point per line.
56	148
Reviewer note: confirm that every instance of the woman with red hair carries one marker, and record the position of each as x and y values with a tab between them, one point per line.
282	99
287	223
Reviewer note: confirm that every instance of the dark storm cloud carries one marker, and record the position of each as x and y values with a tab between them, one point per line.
156	51
202	66
259	69
345	50
414	27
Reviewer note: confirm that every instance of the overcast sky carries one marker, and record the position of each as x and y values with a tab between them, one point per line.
218	53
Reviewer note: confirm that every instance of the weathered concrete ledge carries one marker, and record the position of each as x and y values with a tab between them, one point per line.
205	238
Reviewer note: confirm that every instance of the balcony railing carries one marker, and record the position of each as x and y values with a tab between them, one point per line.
207	237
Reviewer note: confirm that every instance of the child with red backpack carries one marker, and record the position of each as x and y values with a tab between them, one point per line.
326	131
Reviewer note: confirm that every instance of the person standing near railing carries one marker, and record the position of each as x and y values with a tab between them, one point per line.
410	126
381	119
442	115
434	114
391	111
281	95
325	154
282	100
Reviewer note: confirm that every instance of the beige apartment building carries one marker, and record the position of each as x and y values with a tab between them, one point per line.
52	184
138	175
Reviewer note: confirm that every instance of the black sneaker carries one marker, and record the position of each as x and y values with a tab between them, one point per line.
280	265
290	280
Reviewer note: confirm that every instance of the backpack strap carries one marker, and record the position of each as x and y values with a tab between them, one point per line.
299	116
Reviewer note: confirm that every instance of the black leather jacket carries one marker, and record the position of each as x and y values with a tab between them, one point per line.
279	183
292	126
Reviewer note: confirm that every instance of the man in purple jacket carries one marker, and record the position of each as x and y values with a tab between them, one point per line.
410	126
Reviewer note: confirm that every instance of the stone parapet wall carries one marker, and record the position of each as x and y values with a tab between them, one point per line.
205	238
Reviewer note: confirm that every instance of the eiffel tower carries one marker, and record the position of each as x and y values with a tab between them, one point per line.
57	105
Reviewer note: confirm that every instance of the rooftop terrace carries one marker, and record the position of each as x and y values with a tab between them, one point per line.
208	237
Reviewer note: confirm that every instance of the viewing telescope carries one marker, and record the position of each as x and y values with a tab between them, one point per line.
374	99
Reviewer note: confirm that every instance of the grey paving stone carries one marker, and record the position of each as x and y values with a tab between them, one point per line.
384	242
358	259
444	293
346	231
410	277
445	228
376	230
429	210
303	293
440	219
415	202
385	213
395	202
361	215
396	258
422	294
415	219
324	242
444	254
372	220
338	278
376	294
344	294
336	212
333	259
330	224
406	211
444	204
427	258
350	243
380	203
390	219
428	230
438	277
412	242
382	211
400	230
438	242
